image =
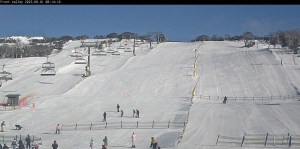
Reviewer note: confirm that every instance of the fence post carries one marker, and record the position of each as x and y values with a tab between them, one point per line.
243	140
218	139
137	124
61	127
266	139
184	123
290	141
91	126
105	125
17	138
121	125
169	124
153	124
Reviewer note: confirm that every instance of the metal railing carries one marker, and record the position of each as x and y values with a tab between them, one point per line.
122	125
250	98
267	139
7	138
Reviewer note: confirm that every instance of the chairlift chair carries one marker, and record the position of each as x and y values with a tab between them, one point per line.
76	54
128	50
48	65
116	53
101	53
4	75
110	51
80	61
48	72
121	47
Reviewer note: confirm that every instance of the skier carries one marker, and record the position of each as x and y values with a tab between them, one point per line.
14	144
5	146
28	142
153	143
137	113
2	126
0	146
21	145
121	113
57	129
54	145
225	99
118	107
133	113
104	116
36	146
105	141
92	144
133	138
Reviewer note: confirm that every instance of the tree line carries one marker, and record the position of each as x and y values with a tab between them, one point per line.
287	38
12	48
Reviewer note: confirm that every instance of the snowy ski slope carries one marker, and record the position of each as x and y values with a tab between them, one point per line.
158	82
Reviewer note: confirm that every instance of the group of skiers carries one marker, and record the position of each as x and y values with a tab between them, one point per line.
153	143
136	113
20	144
104	146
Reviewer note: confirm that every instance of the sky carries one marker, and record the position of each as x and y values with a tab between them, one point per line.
176	22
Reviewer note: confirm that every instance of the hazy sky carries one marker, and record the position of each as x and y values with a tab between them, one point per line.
177	22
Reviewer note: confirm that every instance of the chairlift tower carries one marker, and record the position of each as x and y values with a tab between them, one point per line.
89	45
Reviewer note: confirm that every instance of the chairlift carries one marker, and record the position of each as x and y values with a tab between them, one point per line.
48	72
99	53
48	69
80	61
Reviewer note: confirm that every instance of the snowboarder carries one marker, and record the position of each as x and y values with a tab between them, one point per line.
133	113
121	113
54	145
5	146
118	107
28	142
133	138
57	129
2	126
105	141
21	144
137	113
153	143
14	144
225	99
92	144
104	116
